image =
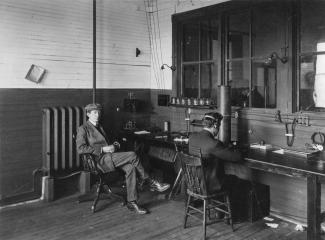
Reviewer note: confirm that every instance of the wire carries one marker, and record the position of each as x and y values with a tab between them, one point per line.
153	48
153	25
156	55
318	138
70	175
160	48
151	41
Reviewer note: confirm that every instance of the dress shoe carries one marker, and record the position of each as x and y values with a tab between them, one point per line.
133	206
157	186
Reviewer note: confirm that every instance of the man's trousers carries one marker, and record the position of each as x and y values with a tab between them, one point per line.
130	164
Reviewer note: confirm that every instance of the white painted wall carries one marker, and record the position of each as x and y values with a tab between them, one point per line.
163	78
57	35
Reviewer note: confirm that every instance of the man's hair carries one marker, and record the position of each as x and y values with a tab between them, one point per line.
208	122
211	119
93	106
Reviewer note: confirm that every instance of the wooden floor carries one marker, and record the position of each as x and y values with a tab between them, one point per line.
68	219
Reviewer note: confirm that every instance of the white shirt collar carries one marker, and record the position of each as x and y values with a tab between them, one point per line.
210	131
93	123
207	129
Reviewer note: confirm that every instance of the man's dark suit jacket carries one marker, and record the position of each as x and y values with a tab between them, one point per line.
91	140
214	153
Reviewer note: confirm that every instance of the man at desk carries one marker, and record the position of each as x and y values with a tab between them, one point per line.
213	151
91	138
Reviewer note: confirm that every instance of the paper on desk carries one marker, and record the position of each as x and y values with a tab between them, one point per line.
272	225
280	151
299	228
161	136
185	140
141	132
268	219
259	146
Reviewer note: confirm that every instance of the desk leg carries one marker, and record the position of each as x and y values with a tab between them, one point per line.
313	207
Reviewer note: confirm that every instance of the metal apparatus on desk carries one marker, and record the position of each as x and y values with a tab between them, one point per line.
187	120
225	110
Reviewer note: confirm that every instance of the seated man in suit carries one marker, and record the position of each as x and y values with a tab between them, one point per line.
91	138
213	151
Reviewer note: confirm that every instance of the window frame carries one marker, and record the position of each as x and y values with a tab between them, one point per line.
288	99
178	20
298	55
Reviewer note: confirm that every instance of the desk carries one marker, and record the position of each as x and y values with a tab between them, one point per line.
159	146
291	165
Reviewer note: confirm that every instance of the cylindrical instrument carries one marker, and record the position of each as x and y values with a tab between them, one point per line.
166	126
225	110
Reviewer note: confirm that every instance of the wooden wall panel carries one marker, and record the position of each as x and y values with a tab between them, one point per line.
288	194
21	128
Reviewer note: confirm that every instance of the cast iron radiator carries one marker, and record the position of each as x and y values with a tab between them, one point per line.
59	148
59	152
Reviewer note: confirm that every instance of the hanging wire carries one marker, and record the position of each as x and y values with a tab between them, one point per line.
150	39
155	50
153	24
148	12
160	48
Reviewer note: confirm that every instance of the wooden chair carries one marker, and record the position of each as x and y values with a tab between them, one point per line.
197	191
90	165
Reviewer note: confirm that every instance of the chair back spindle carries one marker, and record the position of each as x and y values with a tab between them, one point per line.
194	174
216	201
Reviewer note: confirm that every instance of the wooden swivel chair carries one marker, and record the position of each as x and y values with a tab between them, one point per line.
197	191
90	165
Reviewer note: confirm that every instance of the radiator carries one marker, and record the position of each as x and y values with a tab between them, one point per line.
59	148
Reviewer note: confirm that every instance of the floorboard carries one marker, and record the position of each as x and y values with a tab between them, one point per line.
68	219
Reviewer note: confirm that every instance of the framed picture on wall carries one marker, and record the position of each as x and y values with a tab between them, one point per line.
35	73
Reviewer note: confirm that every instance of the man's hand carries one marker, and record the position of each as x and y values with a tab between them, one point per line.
108	149
117	145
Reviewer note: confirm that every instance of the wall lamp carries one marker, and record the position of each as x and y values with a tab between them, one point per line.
275	56
173	68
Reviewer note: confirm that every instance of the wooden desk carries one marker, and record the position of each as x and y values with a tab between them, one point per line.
160	146
157	145
291	165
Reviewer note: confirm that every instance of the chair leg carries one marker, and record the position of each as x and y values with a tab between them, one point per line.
99	190
121	198
186	209
204	218
229	211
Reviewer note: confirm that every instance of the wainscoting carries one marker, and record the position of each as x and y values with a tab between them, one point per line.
21	131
